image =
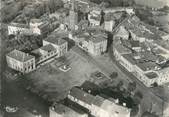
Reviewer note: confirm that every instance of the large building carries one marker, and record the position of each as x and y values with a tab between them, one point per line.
16	28
20	61
45	54
97	105
34	25
139	49
60	110
94	43
58	43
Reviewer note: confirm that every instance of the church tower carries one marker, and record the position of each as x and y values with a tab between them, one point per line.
73	16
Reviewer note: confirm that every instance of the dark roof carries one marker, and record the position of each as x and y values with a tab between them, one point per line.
66	111
151	75
130	58
20	56
97	39
147	66
55	40
48	48
87	85
98	101
135	43
82	95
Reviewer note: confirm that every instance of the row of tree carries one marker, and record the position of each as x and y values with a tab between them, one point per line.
114	3
20	8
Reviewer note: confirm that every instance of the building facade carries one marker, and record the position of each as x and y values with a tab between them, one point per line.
96	45
15	28
98	106
34	26
21	61
45	54
59	44
60	110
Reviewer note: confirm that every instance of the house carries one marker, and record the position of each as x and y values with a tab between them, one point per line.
20	61
60	110
58	43
109	22
95	44
94	20
97	105
62	12
45	54
34	25
122	33
16	28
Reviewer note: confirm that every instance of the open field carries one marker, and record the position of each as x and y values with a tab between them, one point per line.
57	83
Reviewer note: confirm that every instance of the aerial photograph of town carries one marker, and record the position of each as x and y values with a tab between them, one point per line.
84	58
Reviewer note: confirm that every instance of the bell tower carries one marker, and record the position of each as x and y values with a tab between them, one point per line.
73	16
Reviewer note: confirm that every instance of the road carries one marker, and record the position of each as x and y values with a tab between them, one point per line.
147	92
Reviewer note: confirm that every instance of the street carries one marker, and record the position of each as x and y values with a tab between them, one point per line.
148	96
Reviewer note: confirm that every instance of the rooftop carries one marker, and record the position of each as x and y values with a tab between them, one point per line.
147	66
19	25
56	40
48	48
97	39
82	95
130	58
105	104
135	43
20	56
95	36
114	108
66	111
140	29
151	75
35	20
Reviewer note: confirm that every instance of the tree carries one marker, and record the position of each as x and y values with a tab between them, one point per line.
120	84
138	96
131	86
113	75
134	111
54	5
155	84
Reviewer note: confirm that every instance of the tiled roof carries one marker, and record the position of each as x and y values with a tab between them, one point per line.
48	48
99	101
82	95
147	66
34	20
19	25
65	111
20	56
151	75
56	40
114	108
135	43
97	39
